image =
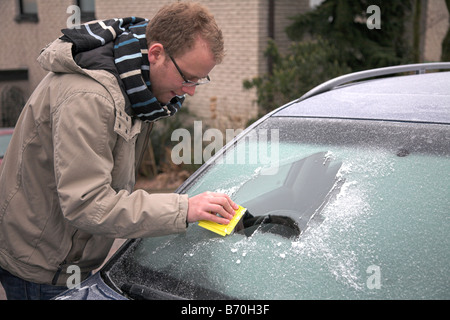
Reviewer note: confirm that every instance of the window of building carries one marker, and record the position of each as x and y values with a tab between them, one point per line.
28	11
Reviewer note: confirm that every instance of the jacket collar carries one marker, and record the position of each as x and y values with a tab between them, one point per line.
57	57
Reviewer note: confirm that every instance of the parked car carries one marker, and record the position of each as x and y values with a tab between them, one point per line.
5	137
348	197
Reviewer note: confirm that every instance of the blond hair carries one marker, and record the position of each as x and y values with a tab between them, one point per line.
176	26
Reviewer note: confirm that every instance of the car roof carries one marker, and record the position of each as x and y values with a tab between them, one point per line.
423	97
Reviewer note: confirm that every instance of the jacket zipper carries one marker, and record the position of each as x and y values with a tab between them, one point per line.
61	265
58	272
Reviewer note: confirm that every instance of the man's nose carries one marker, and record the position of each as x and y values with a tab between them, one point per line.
189	90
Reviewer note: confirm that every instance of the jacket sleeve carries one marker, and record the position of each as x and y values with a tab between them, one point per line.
84	139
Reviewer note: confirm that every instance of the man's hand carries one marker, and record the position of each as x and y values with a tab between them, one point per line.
206	205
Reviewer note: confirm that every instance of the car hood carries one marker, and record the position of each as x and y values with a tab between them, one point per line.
93	288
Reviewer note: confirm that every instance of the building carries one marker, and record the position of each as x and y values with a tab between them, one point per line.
246	26
28	25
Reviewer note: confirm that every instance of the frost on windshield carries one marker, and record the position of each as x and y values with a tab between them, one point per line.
358	208
298	191
280	208
295	185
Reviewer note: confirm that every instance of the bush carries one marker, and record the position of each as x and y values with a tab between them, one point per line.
306	65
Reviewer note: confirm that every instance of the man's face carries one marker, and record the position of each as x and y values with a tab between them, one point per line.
166	80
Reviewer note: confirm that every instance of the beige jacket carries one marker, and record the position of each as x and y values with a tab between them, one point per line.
67	178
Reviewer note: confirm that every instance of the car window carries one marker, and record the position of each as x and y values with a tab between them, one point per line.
341	210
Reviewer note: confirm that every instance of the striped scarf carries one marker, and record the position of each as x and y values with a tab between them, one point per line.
130	58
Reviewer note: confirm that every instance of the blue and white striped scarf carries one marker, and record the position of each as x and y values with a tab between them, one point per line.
131	60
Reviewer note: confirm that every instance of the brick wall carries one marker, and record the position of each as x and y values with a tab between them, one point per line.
21	42
224	102
26	39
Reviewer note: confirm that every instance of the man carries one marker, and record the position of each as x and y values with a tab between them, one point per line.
67	179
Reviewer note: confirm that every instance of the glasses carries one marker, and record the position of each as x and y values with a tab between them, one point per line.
186	82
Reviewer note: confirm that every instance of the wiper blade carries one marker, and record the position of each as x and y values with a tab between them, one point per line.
140	292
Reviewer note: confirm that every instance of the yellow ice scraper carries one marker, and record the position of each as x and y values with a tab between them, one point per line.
223	229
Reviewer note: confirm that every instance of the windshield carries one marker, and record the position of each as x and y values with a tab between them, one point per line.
337	209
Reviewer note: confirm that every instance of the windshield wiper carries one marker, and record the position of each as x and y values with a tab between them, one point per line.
140	292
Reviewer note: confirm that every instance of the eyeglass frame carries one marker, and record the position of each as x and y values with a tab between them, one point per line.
188	83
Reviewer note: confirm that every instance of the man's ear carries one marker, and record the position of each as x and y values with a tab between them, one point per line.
155	53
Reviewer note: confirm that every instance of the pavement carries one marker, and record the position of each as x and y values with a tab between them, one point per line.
116	245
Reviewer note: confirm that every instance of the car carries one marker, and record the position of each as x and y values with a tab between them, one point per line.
5	138
347	191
